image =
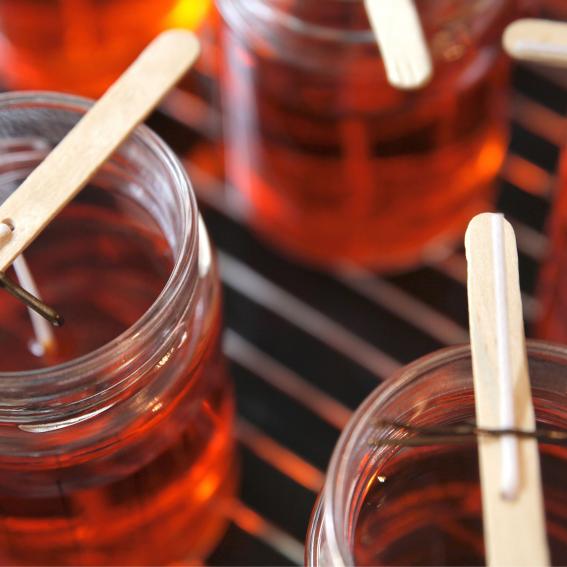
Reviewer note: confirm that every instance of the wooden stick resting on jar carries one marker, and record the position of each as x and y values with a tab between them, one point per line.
537	41
74	161
400	36
69	167
512	500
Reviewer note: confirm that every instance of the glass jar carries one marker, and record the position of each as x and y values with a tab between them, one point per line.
386	504
82	46
337	166
552	285
115	442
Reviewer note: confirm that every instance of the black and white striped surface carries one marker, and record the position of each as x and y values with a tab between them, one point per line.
305	348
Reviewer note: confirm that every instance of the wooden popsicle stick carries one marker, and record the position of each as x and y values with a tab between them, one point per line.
539	41
400	36
74	161
512	500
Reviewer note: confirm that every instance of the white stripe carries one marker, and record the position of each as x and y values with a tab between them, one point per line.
528	176
540	119
279	457
216	195
193	112
531	242
253	523
260	290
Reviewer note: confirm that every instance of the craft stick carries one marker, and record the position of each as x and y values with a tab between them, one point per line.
538	41
67	169
512	500
401	40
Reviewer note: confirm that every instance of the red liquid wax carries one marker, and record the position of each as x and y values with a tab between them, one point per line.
424	508
336	165
82	46
154	493
552	288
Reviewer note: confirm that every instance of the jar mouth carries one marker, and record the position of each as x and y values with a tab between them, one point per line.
241	15
70	372
296	24
335	489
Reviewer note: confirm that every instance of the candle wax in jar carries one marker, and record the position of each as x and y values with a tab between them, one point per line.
98	268
424	508
81	46
552	285
342	167
152	494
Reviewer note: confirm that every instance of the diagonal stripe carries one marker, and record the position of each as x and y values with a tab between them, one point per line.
249	283
277	375
279	457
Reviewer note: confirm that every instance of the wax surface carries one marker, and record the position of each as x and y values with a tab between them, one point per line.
424	508
100	267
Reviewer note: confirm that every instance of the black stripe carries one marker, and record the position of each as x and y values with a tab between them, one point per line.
292	425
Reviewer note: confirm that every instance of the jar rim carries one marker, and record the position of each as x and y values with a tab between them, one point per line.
185	261
333	490
296	24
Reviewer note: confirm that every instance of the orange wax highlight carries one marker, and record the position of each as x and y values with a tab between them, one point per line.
143	476
82	46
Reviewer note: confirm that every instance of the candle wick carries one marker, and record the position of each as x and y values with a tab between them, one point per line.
44	335
27	292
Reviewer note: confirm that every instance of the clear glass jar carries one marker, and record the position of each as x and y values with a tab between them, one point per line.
82	46
393	505
116	444
337	166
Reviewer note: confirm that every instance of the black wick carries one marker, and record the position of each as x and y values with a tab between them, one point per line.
462	432
30	300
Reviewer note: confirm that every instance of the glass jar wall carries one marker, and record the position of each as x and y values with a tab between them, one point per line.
336	165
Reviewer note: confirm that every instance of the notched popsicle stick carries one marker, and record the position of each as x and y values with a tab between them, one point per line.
538	41
74	161
401	40
512	500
